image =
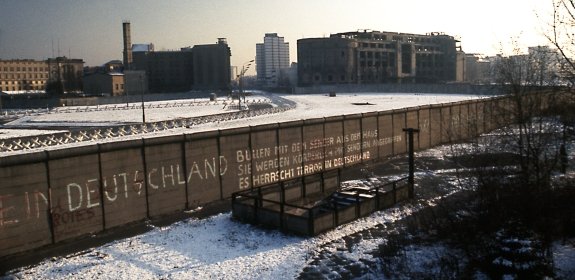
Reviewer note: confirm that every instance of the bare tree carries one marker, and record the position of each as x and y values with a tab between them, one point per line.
530	82
562	37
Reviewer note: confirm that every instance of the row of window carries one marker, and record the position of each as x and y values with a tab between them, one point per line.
23	76
23	82
418	48
24	69
21	88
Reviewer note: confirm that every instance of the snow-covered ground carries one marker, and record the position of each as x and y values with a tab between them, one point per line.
307	106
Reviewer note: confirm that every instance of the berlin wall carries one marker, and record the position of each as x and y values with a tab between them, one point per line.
50	196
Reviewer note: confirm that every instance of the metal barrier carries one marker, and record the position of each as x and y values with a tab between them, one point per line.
317	216
41	141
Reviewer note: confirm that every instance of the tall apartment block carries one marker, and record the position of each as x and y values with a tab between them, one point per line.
371	57
272	59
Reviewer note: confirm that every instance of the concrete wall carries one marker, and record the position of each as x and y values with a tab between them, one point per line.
51	196
456	88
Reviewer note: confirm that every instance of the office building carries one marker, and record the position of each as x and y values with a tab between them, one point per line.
370	57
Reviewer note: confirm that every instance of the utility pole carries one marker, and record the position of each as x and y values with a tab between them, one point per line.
245	68
143	108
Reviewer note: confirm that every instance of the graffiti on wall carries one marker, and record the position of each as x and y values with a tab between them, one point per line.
256	167
279	155
272	164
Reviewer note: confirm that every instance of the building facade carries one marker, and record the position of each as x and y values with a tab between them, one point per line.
34	76
202	67
272	60
211	66
23	75
104	84
66	74
167	71
379	57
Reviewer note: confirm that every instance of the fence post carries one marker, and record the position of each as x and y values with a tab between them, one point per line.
310	225
411	180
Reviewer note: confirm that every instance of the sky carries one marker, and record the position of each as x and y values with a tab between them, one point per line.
92	30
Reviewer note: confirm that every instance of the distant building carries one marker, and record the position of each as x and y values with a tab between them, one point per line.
67	73
167	71
201	67
135	82
378	57
211	66
477	69
139	53
23	75
107	84
272	60
33	76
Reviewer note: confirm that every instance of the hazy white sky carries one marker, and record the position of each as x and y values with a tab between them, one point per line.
92	30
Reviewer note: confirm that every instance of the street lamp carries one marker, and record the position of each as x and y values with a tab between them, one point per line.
143	109
245	68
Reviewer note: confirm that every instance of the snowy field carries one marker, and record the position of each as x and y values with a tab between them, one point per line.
307	106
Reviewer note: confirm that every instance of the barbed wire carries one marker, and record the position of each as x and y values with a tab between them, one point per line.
47	140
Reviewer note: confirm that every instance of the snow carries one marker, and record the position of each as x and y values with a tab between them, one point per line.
306	107
12	133
213	248
14	92
564	259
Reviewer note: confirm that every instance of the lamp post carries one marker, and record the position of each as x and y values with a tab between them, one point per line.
143	109
245	68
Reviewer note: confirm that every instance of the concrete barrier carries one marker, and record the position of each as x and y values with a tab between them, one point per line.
49	197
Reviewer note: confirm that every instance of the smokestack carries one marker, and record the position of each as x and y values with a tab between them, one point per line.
127	45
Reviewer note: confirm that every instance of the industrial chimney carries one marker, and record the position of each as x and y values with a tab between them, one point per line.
127	45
